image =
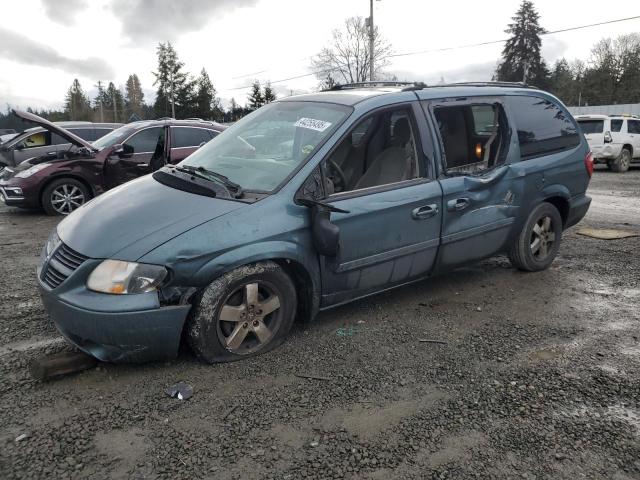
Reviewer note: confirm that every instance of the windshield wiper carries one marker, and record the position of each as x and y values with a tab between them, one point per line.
201	172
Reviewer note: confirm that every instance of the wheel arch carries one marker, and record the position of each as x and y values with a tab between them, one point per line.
559	197
629	147
301	266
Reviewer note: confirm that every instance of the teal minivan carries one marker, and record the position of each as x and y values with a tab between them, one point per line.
310	202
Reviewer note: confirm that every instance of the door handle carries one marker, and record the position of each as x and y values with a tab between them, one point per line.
426	211
458	204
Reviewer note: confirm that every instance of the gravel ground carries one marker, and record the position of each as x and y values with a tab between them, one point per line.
538	378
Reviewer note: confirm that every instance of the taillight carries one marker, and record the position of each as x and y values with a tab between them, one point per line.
588	163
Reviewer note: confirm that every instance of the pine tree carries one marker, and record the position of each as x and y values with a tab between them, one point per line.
174	85
100	103
563	83
207	104
77	105
269	94
521	58
134	97
115	105
256	100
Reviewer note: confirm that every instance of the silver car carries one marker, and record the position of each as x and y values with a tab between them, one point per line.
37	141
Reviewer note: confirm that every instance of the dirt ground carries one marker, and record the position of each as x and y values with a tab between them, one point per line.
539	378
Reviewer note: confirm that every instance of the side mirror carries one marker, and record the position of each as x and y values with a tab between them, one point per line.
326	235
20	146
123	150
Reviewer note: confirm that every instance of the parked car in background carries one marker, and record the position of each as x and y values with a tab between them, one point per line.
311	202
38	141
5	138
7	131
62	181
613	139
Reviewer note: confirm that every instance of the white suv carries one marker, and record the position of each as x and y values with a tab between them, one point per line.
613	139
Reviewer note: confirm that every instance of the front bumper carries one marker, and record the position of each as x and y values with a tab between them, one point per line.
114	328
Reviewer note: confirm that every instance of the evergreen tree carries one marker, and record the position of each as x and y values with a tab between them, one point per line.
256	99
207	104
173	84
563	83
115	105
76	104
269	94
521	58
134	97
100	103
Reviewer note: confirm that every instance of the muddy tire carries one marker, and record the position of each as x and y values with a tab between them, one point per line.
622	163
245	312
63	196
539	241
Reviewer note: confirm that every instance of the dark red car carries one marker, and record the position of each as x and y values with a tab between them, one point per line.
63	181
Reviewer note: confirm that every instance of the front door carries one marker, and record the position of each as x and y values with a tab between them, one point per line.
479	192
142	153
392	231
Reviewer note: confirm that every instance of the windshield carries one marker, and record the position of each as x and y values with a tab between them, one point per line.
591	126
262	149
114	137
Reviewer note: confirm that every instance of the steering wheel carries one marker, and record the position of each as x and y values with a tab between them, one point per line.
337	176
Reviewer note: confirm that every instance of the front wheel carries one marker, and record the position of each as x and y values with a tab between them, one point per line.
63	196
245	312
539	241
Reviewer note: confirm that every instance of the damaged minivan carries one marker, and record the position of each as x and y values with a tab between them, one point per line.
310	202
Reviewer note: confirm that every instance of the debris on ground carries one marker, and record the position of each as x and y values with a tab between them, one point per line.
181	391
428	340
607	233
21	437
312	377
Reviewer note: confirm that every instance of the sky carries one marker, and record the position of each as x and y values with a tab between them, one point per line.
45	44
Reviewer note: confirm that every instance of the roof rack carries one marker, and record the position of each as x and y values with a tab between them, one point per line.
488	84
372	84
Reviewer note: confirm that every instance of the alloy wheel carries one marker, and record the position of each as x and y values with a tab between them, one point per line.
66	198
249	318
542	238
625	160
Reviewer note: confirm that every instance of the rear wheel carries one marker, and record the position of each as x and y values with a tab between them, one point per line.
539	241
245	312
622	163
63	196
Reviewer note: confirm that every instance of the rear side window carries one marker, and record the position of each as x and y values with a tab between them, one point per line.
182	137
542	126
616	125
633	126
84	133
591	126
145	141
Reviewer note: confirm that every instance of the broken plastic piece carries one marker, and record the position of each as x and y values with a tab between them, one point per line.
181	391
607	233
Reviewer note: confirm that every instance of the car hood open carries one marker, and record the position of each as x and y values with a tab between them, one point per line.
52	127
130	220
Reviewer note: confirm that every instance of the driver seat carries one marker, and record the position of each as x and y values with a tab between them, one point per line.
394	163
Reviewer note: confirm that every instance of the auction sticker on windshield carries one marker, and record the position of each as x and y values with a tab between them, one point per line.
313	124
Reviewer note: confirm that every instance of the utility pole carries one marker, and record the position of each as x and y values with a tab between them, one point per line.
371	33
115	105
525	72
173	101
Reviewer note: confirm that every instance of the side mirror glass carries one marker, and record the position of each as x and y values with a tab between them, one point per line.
123	150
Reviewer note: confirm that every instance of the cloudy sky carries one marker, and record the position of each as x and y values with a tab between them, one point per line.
45	44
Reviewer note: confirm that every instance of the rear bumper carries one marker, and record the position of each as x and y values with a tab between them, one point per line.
119	336
578	208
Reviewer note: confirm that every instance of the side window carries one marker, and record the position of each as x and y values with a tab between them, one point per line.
616	125
379	150
39	139
543	127
146	140
84	133
474	137
213	133
633	126
182	137
101	132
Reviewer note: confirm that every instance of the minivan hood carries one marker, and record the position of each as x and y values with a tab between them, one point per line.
52	127
130	220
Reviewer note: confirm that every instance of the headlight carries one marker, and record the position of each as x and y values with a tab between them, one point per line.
121	278
30	171
52	243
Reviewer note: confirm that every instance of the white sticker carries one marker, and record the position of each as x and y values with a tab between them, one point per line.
313	124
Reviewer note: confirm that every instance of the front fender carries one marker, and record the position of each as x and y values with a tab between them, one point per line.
256	252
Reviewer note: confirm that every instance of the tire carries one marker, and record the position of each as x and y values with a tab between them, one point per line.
63	196
236	316
544	225
622	163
